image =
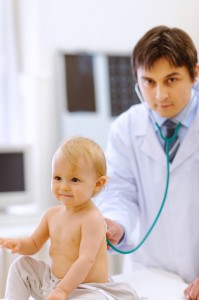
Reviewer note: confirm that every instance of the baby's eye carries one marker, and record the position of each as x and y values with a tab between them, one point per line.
58	178
75	179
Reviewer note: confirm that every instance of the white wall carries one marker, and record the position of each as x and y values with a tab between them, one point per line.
101	26
112	25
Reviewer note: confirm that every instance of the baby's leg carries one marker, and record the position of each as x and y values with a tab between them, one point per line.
25	279
83	294
104	291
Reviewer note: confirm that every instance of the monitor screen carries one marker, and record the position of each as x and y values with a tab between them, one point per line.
15	172
80	87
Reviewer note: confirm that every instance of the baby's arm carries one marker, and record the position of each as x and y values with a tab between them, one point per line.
28	245
93	233
19	245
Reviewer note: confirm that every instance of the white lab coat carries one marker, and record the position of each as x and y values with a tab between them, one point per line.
137	177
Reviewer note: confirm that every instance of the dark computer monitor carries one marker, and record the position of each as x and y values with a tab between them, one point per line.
15	175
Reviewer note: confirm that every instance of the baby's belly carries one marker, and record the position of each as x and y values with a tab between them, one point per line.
60	265
62	258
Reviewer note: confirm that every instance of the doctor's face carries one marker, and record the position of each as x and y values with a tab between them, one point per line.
165	88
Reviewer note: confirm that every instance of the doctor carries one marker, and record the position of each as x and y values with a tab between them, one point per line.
164	63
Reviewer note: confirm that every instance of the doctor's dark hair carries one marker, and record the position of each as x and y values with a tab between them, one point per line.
173	44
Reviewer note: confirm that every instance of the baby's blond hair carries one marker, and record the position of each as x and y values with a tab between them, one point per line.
78	147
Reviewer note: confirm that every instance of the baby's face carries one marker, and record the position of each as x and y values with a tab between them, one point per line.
73	186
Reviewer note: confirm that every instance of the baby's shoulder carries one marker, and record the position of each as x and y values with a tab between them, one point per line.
95	216
53	210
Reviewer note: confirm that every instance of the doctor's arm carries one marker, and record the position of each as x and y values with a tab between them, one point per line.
118	200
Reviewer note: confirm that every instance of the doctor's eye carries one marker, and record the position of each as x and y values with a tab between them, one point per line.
149	82
172	80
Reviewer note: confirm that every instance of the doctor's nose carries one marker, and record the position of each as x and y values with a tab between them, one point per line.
161	92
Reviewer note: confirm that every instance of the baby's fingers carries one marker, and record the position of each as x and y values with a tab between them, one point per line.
2	242
15	250
8	243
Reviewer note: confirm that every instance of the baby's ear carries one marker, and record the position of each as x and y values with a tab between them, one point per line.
100	183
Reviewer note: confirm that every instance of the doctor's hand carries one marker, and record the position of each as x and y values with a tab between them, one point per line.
115	232
192	291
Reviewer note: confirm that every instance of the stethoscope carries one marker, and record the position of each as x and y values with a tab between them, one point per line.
167	141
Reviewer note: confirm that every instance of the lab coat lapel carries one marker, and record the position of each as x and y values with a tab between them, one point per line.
189	145
151	146
148	140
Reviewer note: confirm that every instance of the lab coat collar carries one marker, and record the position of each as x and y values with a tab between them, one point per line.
150	145
189	145
147	137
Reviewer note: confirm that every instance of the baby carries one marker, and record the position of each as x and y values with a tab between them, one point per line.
77	233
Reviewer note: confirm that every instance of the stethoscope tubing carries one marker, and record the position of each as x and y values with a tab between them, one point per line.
167	141
162	204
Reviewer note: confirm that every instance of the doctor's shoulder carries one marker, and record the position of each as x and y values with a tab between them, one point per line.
130	117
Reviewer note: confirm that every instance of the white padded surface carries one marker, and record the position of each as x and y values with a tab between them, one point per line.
155	284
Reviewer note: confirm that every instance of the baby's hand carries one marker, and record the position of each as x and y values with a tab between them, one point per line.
57	294
13	244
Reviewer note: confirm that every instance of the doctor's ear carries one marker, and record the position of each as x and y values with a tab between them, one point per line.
196	73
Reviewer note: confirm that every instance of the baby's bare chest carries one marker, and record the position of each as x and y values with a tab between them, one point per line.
65	231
